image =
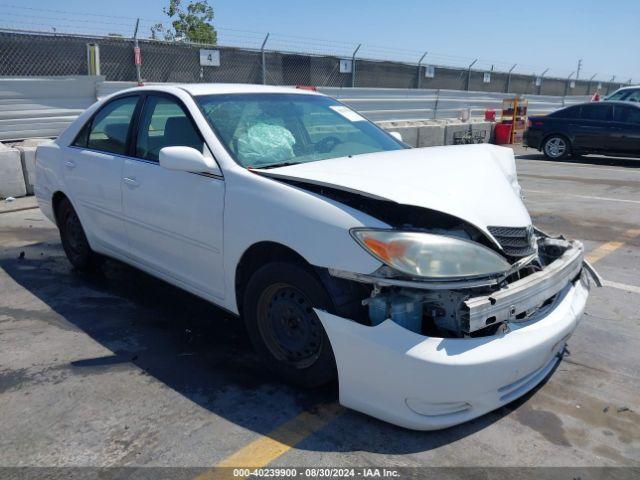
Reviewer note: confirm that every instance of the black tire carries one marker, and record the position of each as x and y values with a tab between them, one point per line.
285	331
74	240
556	147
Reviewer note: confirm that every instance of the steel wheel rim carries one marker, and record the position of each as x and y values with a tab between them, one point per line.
288	325
74	233
555	147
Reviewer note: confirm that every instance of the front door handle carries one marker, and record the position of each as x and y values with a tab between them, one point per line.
132	182
70	164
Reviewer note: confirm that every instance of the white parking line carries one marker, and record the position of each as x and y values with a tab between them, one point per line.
586	197
622	286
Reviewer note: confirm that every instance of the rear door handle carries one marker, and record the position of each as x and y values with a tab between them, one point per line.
70	164
132	182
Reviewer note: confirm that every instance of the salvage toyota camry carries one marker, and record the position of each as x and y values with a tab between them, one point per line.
413	275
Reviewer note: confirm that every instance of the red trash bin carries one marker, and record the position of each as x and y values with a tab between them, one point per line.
503	133
490	115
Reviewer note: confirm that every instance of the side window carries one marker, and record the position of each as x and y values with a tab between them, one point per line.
597	112
569	112
633	96
626	114
164	124
617	95
110	126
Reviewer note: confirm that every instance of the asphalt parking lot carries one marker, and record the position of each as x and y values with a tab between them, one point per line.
119	369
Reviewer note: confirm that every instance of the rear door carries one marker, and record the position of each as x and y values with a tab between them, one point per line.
173	218
92	168
625	135
593	130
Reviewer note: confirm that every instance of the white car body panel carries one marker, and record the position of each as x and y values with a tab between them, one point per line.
382	369
472	182
193	229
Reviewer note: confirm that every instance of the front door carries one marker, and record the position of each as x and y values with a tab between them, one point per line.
92	168
593	130
173	219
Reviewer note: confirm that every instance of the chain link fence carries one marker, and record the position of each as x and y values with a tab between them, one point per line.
45	54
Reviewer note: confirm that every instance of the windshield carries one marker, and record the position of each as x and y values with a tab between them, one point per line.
271	129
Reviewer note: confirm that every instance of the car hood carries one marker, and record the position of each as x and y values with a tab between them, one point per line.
476	183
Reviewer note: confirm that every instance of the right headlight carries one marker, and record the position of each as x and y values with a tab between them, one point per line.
432	256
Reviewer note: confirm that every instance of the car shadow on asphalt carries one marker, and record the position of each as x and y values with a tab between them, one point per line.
201	352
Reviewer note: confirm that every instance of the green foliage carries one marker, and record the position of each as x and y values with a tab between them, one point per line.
192	24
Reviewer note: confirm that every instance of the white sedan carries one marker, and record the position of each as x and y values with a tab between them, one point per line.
413	275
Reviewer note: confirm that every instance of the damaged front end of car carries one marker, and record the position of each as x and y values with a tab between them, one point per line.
435	352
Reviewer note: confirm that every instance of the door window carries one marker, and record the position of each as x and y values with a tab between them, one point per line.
626	114
164	123
110	126
596	112
633	97
569	112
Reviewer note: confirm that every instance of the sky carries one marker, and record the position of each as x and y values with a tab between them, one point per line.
535	35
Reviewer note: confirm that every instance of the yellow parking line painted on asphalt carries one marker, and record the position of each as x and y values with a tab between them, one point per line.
267	448
609	247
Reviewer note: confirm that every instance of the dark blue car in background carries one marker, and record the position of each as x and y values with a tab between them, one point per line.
609	128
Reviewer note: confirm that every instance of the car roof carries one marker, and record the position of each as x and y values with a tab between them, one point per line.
606	102
196	89
630	87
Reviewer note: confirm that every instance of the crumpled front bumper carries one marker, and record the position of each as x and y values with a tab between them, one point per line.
428	383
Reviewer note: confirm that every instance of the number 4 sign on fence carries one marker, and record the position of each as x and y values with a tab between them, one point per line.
209	58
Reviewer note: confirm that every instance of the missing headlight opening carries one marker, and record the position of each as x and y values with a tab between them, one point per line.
475	307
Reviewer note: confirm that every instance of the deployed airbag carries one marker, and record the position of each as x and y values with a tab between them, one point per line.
264	143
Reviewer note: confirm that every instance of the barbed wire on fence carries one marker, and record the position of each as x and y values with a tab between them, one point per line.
37	41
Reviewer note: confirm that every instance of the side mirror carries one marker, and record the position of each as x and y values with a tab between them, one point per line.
396	135
187	159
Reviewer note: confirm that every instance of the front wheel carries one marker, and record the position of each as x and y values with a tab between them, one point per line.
556	147
285	331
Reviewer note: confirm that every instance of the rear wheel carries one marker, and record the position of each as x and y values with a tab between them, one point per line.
283	327
556	147
74	240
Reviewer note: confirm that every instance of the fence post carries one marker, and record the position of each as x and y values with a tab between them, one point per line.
435	107
353	66
509	77
469	73
609	84
541	81
137	56
93	59
589	84
264	62
566	83
419	67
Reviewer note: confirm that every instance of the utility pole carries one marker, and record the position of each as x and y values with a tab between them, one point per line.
578	70
137	56
420	68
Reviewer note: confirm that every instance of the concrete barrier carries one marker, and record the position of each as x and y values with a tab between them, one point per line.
408	130
431	134
11	175
28	160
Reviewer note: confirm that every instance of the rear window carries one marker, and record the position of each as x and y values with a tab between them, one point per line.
569	112
595	111
626	114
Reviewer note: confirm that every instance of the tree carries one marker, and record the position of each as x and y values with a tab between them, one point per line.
192	24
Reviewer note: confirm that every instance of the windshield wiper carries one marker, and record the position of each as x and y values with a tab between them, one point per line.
275	165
